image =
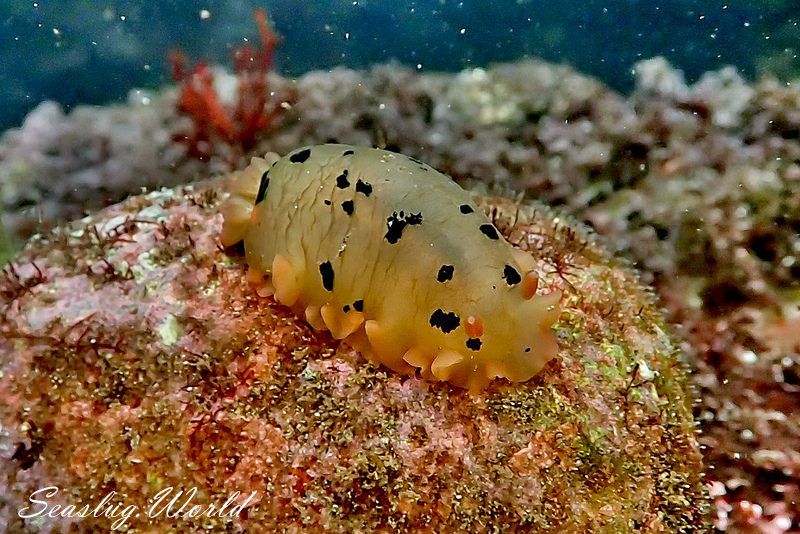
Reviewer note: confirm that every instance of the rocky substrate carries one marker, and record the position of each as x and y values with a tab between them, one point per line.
136	358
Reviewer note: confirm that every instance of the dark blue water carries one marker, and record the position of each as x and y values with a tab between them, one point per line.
89	51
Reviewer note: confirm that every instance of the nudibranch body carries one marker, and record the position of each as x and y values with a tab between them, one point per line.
394	257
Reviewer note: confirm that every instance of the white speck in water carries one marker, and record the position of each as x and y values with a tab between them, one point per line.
463	31
346	36
419	66
140	97
205	14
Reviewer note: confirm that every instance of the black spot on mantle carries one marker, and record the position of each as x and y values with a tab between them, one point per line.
341	181
396	223
348	207
445	273
364	188
444	321
474	343
490	231
262	187
511	275
465	209
300	157
326	270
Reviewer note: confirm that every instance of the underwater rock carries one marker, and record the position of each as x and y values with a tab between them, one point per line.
716	224
476	124
57	165
135	357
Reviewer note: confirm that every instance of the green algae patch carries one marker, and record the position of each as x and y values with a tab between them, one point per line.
7	247
169	330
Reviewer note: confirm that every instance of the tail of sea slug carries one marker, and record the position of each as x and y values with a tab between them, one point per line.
238	208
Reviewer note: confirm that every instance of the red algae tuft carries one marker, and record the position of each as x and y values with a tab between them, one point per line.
217	128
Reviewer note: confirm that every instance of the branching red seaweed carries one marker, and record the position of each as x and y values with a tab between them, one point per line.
237	127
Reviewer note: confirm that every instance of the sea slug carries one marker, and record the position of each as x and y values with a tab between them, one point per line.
394	257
